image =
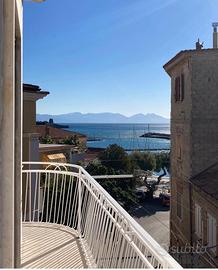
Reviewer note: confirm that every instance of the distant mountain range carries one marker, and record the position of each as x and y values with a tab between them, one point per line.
111	118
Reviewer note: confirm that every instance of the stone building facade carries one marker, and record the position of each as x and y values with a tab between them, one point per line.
194	133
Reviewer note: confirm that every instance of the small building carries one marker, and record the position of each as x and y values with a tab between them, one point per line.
205	209
32	150
62	153
31	93
59	134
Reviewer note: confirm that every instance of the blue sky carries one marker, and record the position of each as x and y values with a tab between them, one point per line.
107	55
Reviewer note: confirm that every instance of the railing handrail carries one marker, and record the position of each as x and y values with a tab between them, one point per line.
155	248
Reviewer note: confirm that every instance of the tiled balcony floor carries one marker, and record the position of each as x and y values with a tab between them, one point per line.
47	245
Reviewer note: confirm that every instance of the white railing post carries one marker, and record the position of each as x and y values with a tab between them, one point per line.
79	203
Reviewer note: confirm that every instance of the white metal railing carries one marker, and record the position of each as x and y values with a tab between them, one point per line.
66	194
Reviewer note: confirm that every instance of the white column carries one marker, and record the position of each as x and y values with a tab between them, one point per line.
18	129
10	127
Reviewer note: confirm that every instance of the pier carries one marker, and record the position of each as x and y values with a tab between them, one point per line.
156	135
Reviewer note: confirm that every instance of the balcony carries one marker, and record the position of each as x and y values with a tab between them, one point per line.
70	221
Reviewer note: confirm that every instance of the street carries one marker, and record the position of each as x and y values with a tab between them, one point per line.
154	218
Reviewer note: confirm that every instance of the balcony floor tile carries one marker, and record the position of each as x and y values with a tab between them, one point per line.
46	245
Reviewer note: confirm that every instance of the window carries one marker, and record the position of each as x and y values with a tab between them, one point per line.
211	233
198	221
180	88
178	147
179	205
177	89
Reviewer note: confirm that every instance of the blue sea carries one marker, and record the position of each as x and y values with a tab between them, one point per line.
125	135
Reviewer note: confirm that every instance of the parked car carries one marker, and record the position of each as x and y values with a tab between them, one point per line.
141	195
165	199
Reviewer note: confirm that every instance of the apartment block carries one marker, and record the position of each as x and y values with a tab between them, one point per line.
194	143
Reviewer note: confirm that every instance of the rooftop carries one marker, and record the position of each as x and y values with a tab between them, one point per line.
43	146
56	132
31	88
186	53
207	181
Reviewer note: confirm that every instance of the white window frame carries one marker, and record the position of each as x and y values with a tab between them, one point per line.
198	221
211	233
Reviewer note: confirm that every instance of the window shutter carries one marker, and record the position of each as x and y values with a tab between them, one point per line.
182	87
198	221
211	233
177	89
179	205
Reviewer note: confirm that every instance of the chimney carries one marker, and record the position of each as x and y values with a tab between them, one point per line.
215	35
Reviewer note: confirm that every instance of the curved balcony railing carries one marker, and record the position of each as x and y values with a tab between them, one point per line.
67	195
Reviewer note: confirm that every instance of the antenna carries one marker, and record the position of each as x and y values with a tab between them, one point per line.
199	45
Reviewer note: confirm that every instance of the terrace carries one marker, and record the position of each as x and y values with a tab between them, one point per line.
70	221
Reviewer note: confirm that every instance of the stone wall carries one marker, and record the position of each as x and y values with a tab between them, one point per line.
180	155
204	110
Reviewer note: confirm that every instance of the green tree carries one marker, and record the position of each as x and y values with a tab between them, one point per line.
149	162
162	161
96	169
122	191
73	140
116	158
151	186
145	161
46	140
